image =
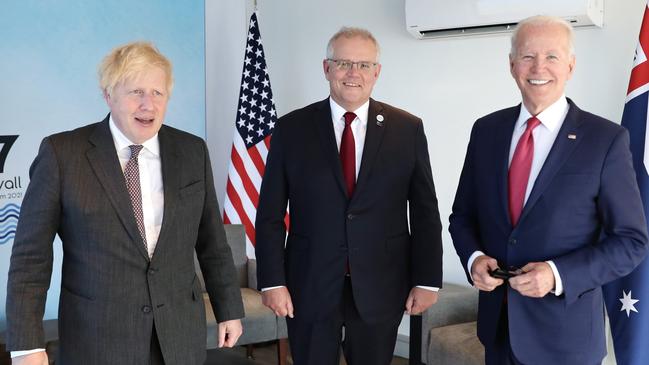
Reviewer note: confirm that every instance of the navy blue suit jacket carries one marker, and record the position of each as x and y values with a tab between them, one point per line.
388	253
584	213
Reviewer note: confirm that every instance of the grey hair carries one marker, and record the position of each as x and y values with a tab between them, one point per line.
351	32
539	20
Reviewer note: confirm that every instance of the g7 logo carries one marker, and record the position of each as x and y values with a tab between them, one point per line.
7	142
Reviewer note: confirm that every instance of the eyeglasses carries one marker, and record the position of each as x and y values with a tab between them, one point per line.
346	65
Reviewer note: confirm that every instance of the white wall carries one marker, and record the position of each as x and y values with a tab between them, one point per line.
447	82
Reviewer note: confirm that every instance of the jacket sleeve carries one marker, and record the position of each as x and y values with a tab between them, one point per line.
463	220
425	224
270	227
215	256
624	242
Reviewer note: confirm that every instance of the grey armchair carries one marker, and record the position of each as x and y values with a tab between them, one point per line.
260	323
449	328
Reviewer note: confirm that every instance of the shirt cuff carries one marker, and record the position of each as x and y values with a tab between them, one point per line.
25	352
470	262
272	287
558	284
431	288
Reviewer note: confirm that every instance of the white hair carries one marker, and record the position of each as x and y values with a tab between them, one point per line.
539	20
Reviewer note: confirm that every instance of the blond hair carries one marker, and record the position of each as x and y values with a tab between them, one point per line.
129	60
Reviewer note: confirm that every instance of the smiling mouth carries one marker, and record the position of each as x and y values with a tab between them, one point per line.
538	82
351	84
144	120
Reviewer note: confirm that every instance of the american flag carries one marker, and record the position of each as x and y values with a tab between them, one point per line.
627	299
256	118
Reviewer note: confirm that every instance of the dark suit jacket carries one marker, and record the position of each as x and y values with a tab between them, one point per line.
111	294
385	256
584	213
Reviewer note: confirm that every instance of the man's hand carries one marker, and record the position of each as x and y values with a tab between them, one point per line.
36	358
419	300
279	300
535	281
229	332
480	273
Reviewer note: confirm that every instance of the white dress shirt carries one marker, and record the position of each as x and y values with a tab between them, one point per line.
150	181
358	126
544	136
150	185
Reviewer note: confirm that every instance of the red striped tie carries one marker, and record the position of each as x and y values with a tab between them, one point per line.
348	154
519	170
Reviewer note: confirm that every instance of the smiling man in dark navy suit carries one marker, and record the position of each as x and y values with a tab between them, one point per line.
353	171
547	193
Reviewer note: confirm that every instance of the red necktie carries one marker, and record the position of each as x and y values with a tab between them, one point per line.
348	154
519	170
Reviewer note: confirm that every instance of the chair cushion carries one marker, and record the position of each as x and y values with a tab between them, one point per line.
456	304
455	344
259	324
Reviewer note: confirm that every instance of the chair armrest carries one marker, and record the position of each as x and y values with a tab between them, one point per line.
456	304
252	274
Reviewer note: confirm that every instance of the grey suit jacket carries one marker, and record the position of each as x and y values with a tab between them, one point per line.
111	293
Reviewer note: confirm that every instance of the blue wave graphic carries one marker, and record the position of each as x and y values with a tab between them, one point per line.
3	229
8	217
5	240
9	210
8	222
8	235
11	205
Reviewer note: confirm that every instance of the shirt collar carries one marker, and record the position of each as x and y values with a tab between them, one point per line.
552	117
338	111
122	142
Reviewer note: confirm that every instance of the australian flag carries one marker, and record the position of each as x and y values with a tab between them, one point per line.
627	299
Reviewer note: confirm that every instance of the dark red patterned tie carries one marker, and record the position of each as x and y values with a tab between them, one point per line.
519	170
132	175
348	154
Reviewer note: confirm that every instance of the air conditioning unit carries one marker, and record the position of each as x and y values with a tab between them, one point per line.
452	18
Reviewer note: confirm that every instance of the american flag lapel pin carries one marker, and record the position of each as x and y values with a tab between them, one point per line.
379	120
572	136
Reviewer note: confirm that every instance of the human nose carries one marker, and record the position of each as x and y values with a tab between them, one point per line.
146	102
539	63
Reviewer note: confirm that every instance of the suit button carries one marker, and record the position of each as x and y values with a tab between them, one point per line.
350	216
512	241
152	271
146	309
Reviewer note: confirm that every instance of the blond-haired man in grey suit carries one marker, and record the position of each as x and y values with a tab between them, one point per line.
131	200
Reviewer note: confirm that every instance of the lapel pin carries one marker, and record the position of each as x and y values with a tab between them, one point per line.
379	120
572	136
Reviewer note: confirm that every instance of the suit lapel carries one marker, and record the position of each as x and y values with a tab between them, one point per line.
373	138
502	145
105	163
560	152
327	138
170	178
